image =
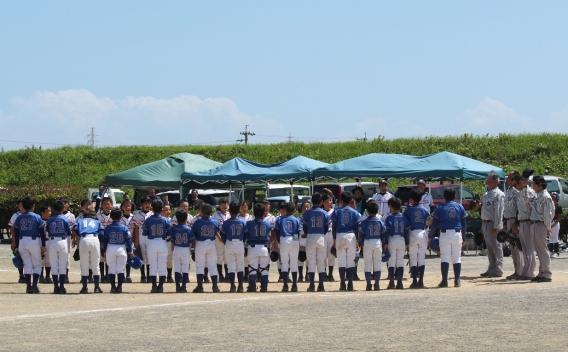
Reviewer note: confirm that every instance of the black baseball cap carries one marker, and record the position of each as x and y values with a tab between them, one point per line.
384	180
421	181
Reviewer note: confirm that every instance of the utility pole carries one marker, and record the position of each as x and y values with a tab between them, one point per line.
91	138
363	139
246	133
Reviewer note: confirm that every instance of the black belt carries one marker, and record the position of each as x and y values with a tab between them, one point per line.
524	220
456	230
417	229
54	237
487	221
536	221
32	237
258	244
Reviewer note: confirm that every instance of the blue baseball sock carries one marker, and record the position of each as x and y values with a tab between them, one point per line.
294	277
184	279
391	275
445	268
121	279
177	279
252	279
457	270
28	278
84	280
377	277
342	274
199	280
56	281
321	279
400	274
97	279
214	279
240	277
284	279
368	277
61	280
232	279
153	280
112	279
421	270
414	273
35	280
312	278
162	280
350	273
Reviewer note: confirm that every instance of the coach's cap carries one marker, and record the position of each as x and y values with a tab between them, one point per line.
554	195
539	180
384	180
421	181
527	172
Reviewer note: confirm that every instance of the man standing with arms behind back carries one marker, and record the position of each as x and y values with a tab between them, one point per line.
492	216
542	213
510	214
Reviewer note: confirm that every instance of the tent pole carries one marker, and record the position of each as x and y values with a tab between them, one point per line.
230	192
291	191
461	191
243	191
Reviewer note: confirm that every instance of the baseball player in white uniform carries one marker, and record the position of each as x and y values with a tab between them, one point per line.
45	213
382	198
327	205
167	212
126	220
11	226
221	215
183	205
69	215
427	201
141	238
245	216
103	215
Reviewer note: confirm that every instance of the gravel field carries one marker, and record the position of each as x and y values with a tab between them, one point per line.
484	314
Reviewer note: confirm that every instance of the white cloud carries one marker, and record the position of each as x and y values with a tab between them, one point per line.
492	116
68	115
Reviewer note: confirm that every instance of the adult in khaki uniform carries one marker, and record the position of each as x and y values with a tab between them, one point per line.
492	216
542	213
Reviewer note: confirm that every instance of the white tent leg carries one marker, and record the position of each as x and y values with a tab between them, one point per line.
291	191
243	191
461	192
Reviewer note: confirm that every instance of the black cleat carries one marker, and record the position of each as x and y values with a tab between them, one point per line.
545	279
56	290
91	280
399	286
300	278
350	286
160	289
369	287
84	290
485	274
98	290
443	283
420	284
285	288
42	280
62	290
342	287
29	290
233	289
183	290
154	289
142	279
128	280
251	288
390	286
311	288
21	280
169	280
321	288
35	289
376	287
119	290
113	290
50	281
216	289
240	289
198	289
294	288
457	283
330	278
535	279
414	285
206	280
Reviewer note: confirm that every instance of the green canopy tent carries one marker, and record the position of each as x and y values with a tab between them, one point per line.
164	173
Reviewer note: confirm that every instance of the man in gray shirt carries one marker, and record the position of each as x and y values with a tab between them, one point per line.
542	213
524	204
510	215
492	216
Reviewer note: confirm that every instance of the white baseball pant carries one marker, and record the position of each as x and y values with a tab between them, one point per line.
45	261
143	243
258	258
417	244
289	254
69	242
396	249
90	254
220	248
316	253
554	234
373	254
30	251
169	258
157	255
450	246
329	258
206	256
235	256
181	257
116	258
346	245
57	249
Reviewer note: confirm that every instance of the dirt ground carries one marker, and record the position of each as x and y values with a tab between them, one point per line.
484	314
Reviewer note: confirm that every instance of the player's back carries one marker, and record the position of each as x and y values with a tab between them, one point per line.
417	216
258	232
28	224
205	229
88	226
182	235
316	221
233	229
156	226
345	219
58	226
397	224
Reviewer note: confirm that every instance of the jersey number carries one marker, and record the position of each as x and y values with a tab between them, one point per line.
116	237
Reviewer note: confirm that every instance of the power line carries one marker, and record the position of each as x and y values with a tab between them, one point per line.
91	138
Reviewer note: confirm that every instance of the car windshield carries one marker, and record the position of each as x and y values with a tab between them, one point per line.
279	192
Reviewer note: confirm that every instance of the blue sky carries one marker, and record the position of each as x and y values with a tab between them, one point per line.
196	72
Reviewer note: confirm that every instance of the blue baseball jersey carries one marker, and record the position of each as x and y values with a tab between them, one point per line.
117	233
345	220
233	229
181	236
156	226
372	228
417	215
29	224
88	226
316	221
397	225
449	216
205	229
58	226
257	232
288	226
